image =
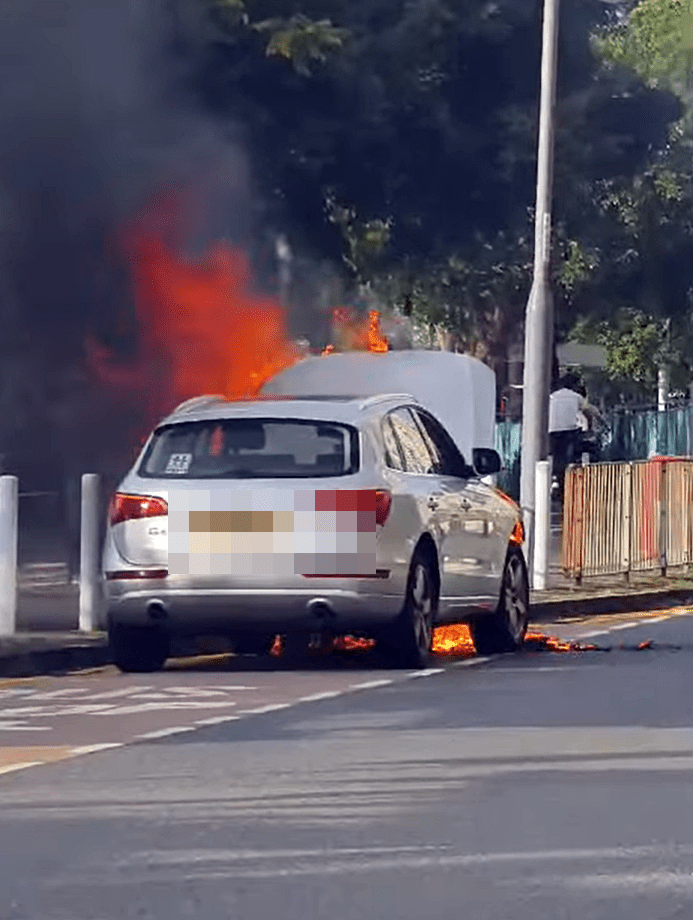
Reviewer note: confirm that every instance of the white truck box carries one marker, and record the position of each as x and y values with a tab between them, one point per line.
457	389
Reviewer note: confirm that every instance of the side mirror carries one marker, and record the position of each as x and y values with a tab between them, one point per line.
486	462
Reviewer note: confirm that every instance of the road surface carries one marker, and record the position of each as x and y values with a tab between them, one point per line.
541	785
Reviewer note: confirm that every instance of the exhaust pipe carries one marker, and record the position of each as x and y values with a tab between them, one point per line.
156	611
320	609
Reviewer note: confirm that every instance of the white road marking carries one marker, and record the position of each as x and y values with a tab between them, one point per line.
205	691
272	707
95	748
114	694
9	725
429	672
24	711
165	732
149	696
10	768
56	694
530	669
327	695
187	857
217	720
83	709
631	624
286	864
370	684
649	882
469	662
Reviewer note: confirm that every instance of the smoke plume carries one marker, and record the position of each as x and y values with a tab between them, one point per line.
94	119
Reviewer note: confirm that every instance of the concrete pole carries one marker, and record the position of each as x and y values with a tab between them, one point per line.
89	562
9	510
542	525
539	319
662	388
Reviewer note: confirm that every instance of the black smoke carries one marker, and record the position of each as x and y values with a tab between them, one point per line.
95	119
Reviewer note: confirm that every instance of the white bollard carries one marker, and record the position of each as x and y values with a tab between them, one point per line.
9	504
89	561
542	524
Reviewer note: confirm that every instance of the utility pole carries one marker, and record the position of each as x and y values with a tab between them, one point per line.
539	319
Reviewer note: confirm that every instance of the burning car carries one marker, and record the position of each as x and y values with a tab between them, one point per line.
291	515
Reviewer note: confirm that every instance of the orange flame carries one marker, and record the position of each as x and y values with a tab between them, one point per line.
457	640
453	640
541	642
376	340
352	332
201	327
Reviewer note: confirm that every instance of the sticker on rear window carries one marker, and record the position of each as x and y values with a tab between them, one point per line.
179	463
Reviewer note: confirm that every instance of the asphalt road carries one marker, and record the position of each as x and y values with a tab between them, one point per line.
540	785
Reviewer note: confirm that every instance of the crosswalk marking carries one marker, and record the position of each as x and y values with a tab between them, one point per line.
30	709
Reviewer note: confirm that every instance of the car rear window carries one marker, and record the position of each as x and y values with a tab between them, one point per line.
252	449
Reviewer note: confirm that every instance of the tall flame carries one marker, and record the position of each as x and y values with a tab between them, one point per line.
201	327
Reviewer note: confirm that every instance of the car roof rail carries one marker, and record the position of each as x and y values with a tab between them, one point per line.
198	402
385	397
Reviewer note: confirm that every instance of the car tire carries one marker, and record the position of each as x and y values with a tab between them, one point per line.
258	644
138	649
408	642
504	630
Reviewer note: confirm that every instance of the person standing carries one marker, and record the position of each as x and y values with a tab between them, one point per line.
567	421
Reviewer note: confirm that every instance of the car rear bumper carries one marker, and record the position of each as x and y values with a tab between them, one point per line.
341	605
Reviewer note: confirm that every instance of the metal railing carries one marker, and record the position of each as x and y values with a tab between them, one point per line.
628	517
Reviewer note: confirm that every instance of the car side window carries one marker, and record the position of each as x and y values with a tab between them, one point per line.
452	462
393	455
415	454
436	454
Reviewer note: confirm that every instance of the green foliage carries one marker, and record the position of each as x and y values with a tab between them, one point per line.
365	241
302	41
656	41
578	266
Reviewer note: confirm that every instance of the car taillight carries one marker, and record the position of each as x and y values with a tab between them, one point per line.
134	507
133	574
383	501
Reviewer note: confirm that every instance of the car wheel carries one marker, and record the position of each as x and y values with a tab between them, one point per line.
504	630
138	649
408	642
260	644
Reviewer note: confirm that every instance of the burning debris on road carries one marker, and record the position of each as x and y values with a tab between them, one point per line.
455	641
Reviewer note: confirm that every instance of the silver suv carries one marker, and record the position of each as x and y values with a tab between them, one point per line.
291	516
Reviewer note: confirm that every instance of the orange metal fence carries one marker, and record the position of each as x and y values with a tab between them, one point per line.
627	517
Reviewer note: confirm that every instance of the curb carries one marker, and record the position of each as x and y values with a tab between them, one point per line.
54	659
544	611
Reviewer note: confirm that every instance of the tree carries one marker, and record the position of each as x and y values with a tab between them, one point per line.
638	295
402	138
